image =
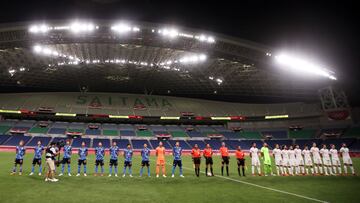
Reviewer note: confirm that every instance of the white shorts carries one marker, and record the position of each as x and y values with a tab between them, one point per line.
299	162
308	162
292	162
336	162
255	162
327	161
347	160
278	162
317	160
285	162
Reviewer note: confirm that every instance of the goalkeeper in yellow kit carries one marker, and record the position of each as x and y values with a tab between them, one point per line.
267	160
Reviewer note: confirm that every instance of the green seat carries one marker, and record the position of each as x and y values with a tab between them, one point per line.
4	129
304	133
38	130
207	133
250	135
75	130
178	134
111	132
144	133
352	132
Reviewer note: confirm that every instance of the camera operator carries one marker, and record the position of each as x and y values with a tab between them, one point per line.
51	153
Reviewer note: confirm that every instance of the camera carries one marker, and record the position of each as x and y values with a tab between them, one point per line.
60	144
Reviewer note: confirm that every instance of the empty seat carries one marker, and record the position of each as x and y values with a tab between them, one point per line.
15	139
250	135
183	144
44	141
105	142
111	132
139	144
304	133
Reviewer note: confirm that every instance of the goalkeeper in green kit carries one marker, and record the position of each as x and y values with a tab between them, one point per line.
267	159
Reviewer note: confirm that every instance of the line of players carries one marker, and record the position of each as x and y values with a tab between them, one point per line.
292	161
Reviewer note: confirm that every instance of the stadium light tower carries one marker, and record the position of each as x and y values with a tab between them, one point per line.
302	65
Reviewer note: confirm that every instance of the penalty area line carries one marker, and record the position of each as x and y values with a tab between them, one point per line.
263	187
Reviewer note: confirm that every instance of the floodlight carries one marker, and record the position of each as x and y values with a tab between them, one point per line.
299	64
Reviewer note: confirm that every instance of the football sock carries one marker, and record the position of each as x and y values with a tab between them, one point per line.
222	170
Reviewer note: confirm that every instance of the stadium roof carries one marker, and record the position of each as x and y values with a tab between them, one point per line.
133	57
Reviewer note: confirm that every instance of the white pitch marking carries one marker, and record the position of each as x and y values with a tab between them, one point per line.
263	187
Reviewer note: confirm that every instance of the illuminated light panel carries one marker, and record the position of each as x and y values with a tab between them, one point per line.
302	65
124	28
117	116
66	114
276	116
9	111
39	28
220	118
49	52
78	27
169	118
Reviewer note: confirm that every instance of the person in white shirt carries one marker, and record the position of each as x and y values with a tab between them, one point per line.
285	160
299	160
316	157
344	153
292	160
335	159
278	160
324	152
255	162
308	162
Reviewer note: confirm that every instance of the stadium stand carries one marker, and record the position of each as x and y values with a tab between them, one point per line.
15	139
38	130
246	144
182	143
216	144
77	142
155	143
281	142
121	143
351	132
129	133
44	141
308	142
178	134
200	143
105	142
250	135
275	134
303	134
4	138
139	144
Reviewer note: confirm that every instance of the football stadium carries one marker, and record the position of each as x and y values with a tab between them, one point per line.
132	111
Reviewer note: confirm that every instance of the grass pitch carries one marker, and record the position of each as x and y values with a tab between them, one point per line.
27	188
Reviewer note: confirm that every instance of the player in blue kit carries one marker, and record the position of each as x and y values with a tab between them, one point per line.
66	158
177	151
38	151
114	153
100	154
83	152
20	153
128	153
145	155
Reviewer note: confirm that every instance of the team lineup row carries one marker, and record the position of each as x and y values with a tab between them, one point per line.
288	161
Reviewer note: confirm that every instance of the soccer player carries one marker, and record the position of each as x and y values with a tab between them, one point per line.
177	152
307	159
38	151
324	152
145	155
285	160
208	159
299	160
255	162
66	158
160	160
83	152
267	160
99	155
317	159
335	159
196	156
114	153
344	153
128	153
225	158
19	159
292	160
278	160
240	156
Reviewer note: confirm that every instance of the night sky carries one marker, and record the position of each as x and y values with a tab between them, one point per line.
325	30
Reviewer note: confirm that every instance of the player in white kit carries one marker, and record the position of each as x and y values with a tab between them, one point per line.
344	153
307	159
315	152
278	160
255	162
285	160
292	160
324	152
335	159
299	160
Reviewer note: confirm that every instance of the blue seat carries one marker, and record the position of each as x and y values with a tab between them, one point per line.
183	144
57	131
200	143
3	138
15	139
77	142
93	132
139	144
105	142
44	141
